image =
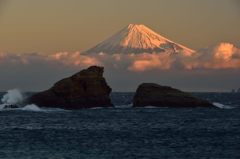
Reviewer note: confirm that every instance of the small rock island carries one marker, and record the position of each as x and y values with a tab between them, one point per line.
150	94
85	89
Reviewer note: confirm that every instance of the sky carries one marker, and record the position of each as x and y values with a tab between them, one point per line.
48	26
60	29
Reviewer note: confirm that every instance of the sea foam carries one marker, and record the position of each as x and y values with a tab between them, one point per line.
222	106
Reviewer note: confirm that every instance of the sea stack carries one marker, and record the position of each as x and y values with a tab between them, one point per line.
150	94
85	89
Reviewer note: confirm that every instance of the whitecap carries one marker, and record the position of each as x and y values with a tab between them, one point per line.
97	108
222	106
2	106
31	107
124	106
35	108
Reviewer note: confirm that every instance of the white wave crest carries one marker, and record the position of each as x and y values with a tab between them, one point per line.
124	106
2	106
222	106
31	107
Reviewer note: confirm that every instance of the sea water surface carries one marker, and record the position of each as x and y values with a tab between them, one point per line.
124	132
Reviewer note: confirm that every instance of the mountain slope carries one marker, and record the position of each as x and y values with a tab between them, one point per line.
138	39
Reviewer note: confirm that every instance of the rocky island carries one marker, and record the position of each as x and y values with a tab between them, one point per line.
85	89
150	94
88	89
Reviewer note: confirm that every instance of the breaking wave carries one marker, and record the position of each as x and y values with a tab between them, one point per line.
12	97
222	106
13	100
31	107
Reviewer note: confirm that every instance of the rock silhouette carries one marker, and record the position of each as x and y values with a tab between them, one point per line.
85	89
150	94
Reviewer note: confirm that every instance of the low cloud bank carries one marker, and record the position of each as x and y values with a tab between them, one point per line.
222	56
74	59
65	58
37	72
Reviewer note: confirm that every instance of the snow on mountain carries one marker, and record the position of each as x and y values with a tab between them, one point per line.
138	39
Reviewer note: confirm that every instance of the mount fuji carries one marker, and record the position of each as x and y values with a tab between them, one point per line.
138	39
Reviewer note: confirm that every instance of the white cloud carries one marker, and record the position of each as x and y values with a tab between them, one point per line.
75	59
222	56
124	71
144	62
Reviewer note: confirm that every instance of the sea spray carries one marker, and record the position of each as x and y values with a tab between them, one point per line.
12	97
31	107
14	100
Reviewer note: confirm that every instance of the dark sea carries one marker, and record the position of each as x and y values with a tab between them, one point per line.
124	132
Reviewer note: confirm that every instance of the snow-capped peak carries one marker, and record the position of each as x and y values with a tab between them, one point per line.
137	38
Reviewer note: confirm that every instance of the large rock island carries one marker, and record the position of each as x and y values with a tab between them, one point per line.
85	89
150	94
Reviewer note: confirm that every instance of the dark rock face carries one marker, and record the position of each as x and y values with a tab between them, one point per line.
85	89
149	94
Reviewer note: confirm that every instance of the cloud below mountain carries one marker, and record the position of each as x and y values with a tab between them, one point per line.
25	70
75	59
137	48
222	56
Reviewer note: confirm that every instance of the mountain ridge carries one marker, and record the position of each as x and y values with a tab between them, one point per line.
137	38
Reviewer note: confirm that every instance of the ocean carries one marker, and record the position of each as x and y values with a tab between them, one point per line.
124	132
